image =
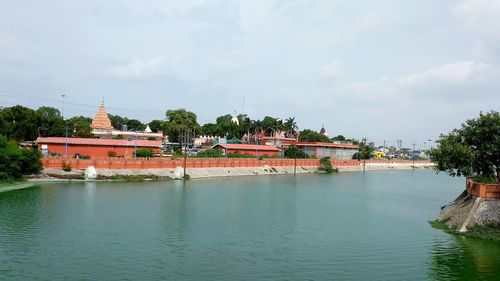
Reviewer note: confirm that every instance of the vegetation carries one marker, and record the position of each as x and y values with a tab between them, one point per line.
66	167
177	120
365	152
144	152
325	165
294	152
312	136
16	162
472	150
111	153
476	231
210	153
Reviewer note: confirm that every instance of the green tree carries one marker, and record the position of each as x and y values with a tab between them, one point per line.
19	123
79	126
290	126
293	151
50	122
117	121
134	124
339	138
180	119
16	162
157	125
312	136
144	152
471	150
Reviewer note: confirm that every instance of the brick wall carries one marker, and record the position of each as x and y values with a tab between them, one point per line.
483	190
167	163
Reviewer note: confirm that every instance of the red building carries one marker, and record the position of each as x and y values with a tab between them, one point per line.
94	148
249	149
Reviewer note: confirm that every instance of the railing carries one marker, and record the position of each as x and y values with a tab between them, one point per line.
483	190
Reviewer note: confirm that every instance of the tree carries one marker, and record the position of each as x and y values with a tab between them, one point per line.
293	151
471	150
365	151
144	152
339	138
79	127
117	121
157	125
312	136
50	122
180	119
135	125
16	162
290	126
19	123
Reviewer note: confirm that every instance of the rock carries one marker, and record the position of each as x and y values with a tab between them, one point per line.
178	173
90	173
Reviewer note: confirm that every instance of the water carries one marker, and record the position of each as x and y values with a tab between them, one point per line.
350	226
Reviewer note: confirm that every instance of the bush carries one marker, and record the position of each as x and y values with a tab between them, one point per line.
294	152
66	167
118	137
111	153
485	180
16	162
325	165
210	153
239	155
144	152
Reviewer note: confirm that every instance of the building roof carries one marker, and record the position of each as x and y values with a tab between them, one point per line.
327	144
101	119
238	146
102	142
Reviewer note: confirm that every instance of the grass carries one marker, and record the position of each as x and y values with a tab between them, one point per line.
477	231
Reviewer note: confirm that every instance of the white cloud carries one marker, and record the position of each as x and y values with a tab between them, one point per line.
458	72
333	70
481	16
137	68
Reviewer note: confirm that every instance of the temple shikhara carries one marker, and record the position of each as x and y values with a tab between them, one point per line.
103	129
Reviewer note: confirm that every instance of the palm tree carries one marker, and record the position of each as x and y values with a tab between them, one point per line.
291	125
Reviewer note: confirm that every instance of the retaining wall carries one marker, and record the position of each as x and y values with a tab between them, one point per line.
168	163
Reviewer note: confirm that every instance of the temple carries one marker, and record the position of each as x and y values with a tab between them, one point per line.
103	129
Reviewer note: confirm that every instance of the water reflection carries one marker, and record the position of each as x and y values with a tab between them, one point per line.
462	258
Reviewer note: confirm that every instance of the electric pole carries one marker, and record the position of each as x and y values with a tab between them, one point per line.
185	136
413	156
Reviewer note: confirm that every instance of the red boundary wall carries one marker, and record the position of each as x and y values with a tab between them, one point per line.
168	163
483	190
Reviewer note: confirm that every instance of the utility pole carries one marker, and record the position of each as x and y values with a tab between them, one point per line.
364	156
413	156
66	123
185	137
135	145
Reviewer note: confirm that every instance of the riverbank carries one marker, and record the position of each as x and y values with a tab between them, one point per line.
471	216
15	185
52	174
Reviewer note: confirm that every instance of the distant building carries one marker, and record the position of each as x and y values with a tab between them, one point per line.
94	148
102	128
340	151
249	149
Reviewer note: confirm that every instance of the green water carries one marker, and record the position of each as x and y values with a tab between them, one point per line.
350	226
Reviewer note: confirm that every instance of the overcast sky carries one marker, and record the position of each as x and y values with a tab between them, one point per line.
387	70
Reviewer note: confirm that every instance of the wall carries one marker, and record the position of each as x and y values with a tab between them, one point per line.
253	152
483	190
167	163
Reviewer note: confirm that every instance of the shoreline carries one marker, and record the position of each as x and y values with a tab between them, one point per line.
17	186
58	175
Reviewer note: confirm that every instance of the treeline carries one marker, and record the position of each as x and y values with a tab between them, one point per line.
15	161
20	123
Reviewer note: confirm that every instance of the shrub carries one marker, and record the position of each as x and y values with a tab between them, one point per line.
484	179
325	165
111	153
144	152
118	137
66	167
16	162
210	153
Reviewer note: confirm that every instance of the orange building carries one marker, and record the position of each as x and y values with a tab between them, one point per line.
94	148
249	149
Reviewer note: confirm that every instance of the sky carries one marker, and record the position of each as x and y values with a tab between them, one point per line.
384	70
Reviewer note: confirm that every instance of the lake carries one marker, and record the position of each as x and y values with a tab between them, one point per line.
350	226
